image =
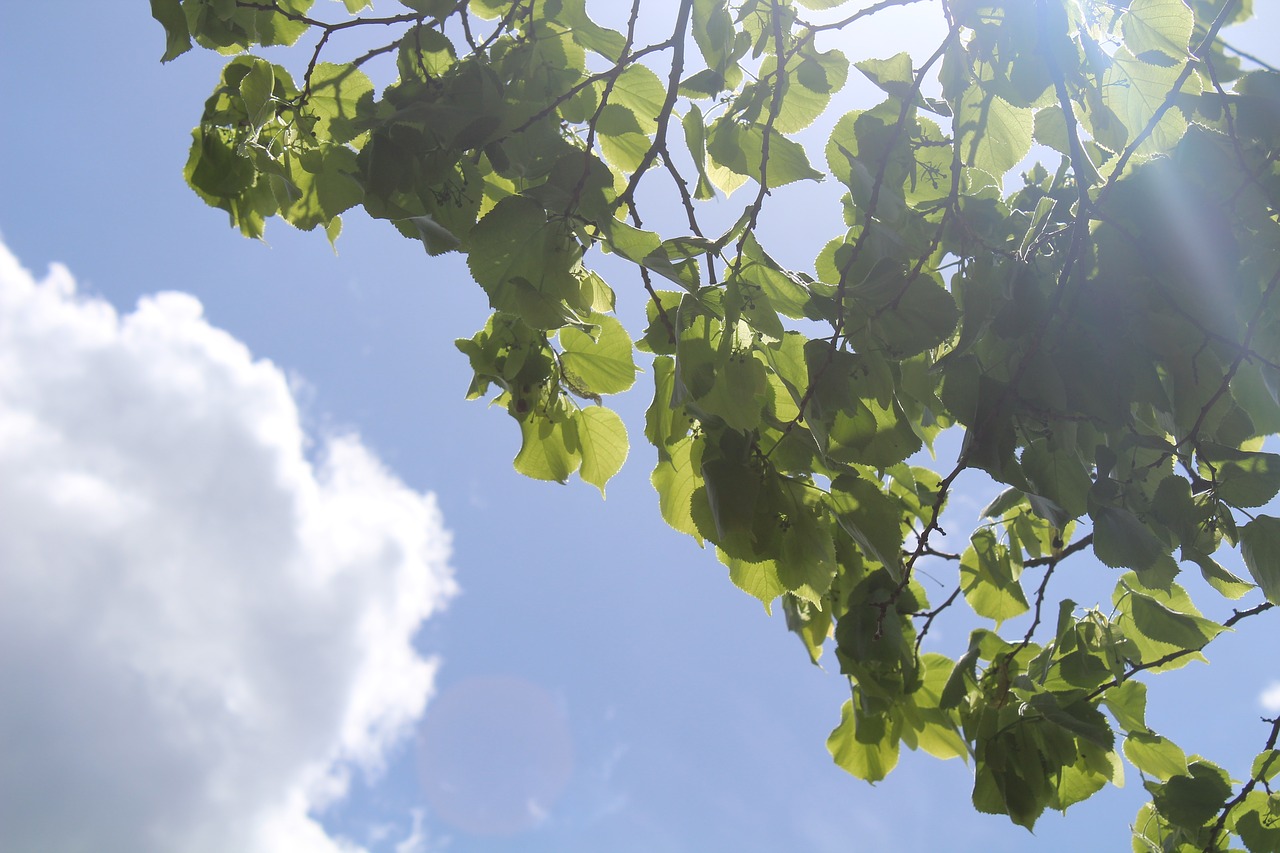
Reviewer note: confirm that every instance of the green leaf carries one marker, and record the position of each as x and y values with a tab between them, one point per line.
994	134
1257	822
678	480
634	244
894	75
1266	765
899	315
603	442
808	621
739	390
326	185
1011	773
1192	800
989	579
962	676
341	98
870	518
803	542
786	294
625	151
525	262
600	362
640	91
1159	624
435	237
549	448
724	178
1081	718
256	89
695	137
1241	478
853	412
741	150
864	745
1135	91
332	231
1225	582
176	34
229	27
810	79
714	33
936	730
1162	25
1154	755
734	493
1057	475
1176	629
759	579
1260	547
1120	540
664	423
589	34
1128	703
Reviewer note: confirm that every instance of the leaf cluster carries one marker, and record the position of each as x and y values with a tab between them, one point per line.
1104	330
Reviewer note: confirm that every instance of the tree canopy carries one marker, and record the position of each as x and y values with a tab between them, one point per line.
1102	328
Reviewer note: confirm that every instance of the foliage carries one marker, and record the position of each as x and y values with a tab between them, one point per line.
1105	334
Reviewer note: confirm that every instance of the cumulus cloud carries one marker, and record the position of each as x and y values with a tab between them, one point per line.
1270	698
202	631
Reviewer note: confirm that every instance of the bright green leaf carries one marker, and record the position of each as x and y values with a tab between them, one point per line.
676	479
602	439
342	98
599	362
741	150
1161	25
1154	755
864	745
994	134
549	449
989	578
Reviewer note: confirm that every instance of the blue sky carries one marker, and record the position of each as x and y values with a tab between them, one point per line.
598	683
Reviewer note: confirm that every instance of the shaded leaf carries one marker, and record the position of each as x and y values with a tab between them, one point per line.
1260	547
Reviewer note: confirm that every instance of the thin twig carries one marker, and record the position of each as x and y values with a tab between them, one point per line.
1248	787
1239	616
668	106
1249	56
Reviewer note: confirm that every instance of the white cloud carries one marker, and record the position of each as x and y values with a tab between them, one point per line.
201	631
1270	698
418	841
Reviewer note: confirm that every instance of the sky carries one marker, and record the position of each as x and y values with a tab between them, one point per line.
269	583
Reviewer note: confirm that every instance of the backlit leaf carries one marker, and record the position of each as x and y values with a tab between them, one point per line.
989	579
600	361
1163	25
994	134
342	97
603	442
1260	546
864	745
549	449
